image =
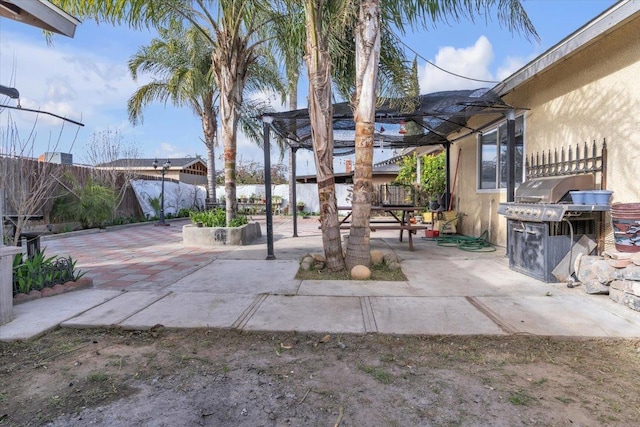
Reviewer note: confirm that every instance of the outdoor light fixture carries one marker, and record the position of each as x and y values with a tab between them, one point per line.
164	167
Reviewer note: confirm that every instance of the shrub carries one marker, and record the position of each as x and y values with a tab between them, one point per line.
216	218
39	272
91	205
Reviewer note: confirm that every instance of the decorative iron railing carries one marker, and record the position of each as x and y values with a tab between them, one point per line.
585	159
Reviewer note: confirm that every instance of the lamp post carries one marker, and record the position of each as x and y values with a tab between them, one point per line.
164	167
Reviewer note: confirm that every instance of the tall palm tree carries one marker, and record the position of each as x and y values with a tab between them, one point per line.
180	63
376	17
237	31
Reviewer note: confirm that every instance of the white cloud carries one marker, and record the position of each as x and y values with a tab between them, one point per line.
510	65
472	61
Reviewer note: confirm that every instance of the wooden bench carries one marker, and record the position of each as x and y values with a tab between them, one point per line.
410	228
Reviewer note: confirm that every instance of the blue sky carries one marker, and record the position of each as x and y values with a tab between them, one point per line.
86	78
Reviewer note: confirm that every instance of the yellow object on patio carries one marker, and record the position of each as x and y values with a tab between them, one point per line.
446	222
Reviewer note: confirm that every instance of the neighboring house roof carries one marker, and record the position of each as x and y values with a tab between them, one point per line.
586	35
420	151
179	163
40	13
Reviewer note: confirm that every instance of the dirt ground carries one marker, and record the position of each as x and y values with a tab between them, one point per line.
229	378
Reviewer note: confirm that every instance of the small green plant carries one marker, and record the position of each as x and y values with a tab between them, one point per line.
378	373
40	272
520	398
155	205
216	218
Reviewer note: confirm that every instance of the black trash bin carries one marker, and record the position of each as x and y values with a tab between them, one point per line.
33	243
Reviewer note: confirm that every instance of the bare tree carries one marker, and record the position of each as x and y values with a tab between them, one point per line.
114	161
28	184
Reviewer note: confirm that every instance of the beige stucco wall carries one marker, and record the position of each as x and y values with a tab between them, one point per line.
593	95
478	208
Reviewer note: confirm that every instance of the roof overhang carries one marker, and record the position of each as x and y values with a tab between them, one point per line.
588	34
41	14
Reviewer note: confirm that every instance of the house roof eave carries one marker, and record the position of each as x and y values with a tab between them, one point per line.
598	27
41	14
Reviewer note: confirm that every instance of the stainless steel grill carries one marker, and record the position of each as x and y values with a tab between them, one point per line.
543	223
548	199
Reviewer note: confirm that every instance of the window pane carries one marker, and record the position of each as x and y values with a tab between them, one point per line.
519	146
488	159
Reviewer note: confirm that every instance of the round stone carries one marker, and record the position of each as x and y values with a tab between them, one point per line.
360	272
377	256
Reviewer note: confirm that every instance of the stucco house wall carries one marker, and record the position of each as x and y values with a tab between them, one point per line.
589	96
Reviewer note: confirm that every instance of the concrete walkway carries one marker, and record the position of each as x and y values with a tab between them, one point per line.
143	277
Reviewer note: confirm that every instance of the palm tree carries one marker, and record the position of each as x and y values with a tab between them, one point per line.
237	32
180	62
376	17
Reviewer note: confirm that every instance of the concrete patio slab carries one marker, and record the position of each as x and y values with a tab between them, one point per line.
242	277
308	314
36	317
191	310
464	277
431	316
352	288
115	310
579	315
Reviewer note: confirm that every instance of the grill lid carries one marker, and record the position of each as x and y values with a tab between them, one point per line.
552	189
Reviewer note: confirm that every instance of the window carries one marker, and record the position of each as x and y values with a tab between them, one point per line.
492	158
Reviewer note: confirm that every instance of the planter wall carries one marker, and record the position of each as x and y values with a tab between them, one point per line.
220	236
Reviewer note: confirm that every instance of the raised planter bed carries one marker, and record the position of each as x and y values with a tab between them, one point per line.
193	235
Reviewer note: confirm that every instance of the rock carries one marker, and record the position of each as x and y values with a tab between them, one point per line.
629	286
319	258
619	263
391	258
614	254
377	256
319	265
597	269
393	265
69	286
308	258
21	297
631	301
595	287
632	272
47	292
58	289
360	272
35	294
635	258
306	266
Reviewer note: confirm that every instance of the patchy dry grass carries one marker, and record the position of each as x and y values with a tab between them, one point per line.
379	272
228	378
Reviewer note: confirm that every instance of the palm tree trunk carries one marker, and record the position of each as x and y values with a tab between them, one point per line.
229	119
321	117
367	59
209	129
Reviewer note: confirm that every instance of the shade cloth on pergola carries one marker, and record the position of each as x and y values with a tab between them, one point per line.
437	115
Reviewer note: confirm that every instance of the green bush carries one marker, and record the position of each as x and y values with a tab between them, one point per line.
91	205
40	272
216	218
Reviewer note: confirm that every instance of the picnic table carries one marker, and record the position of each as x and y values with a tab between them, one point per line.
399	219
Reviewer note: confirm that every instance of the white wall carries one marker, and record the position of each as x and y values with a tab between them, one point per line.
307	193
